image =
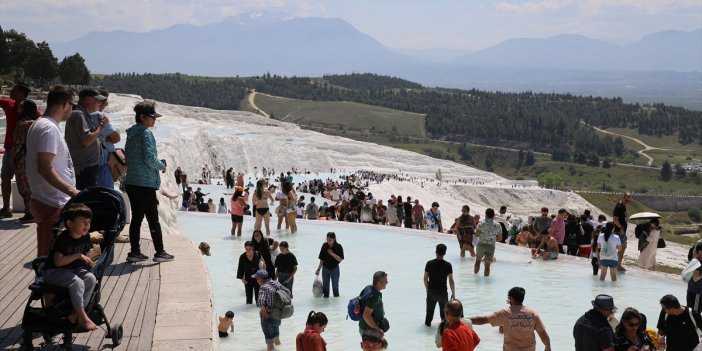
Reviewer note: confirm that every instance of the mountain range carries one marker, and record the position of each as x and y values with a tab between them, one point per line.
256	43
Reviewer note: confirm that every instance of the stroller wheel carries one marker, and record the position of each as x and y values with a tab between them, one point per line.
116	333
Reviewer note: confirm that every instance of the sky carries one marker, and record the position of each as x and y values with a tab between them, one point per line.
455	24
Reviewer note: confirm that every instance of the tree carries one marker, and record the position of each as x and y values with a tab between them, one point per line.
439	176
72	70
550	180
42	65
618	147
679	171
606	163
4	54
20	49
695	214
666	171
529	158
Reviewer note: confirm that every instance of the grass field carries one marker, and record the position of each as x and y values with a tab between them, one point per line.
674	153
343	114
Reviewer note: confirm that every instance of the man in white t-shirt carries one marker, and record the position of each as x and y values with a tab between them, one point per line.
49	166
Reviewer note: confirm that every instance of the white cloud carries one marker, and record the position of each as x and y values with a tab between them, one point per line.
601	7
530	8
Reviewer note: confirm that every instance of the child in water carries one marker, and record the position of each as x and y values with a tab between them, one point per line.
226	324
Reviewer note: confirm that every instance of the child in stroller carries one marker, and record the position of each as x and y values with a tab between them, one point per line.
69	267
64	307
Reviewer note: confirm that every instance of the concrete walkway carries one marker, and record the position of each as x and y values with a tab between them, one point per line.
167	306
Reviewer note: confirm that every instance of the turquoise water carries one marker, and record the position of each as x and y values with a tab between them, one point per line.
561	291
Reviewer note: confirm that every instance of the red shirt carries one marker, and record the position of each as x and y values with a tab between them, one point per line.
459	337
11	117
310	341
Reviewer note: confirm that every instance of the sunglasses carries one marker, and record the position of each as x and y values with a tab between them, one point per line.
633	325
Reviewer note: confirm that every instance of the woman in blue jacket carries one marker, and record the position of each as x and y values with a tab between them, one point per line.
143	180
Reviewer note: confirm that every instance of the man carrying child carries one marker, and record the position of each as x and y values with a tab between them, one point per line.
69	267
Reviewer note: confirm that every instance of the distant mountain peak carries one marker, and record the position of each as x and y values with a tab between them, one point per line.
259	18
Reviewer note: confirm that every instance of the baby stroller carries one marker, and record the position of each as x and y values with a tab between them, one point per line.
49	315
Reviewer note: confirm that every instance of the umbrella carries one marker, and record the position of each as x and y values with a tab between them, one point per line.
645	215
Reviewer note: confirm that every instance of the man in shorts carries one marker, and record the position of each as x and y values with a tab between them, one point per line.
551	247
619	220
488	233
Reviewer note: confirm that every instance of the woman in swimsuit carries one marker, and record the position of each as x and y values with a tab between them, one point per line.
288	190
260	200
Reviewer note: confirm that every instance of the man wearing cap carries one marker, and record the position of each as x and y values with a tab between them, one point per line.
82	138
10	106
108	138
269	325
592	331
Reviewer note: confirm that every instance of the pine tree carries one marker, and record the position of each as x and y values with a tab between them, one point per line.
42	65
666	171
72	70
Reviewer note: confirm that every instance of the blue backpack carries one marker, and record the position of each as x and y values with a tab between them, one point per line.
355	307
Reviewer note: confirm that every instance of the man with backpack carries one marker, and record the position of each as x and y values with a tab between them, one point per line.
275	304
312	210
371	301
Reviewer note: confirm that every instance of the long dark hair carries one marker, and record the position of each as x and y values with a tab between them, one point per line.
316	318
608	230
237	194
286	187
259	189
262	244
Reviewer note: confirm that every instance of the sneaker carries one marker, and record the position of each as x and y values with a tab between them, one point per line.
27	218
5	213
163	256
136	257
123	239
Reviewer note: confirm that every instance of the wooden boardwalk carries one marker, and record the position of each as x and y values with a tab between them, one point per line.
130	293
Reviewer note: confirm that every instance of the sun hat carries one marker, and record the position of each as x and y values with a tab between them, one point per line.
604	302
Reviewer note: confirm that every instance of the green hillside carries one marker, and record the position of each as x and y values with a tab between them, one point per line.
342	115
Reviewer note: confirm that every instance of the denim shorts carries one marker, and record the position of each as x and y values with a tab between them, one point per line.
271	329
608	263
622	238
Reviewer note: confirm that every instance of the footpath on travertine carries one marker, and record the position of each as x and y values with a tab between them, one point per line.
185	318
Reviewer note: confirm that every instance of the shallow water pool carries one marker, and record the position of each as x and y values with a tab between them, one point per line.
561	291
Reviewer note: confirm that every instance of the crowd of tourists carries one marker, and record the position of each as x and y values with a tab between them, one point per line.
54	167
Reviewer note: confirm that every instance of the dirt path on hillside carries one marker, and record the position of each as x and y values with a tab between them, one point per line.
638	141
252	104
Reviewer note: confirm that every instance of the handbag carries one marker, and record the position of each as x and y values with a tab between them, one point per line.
643	244
661	243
